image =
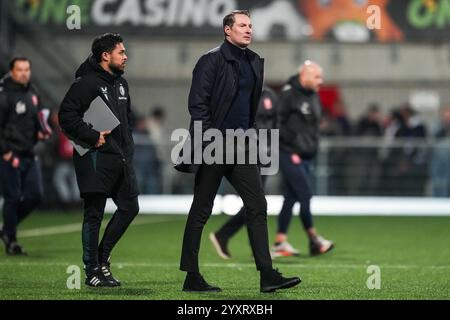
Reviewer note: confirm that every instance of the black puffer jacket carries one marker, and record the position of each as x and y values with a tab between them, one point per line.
100	170
19	122
299	113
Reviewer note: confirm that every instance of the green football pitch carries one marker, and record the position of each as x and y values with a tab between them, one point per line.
412	254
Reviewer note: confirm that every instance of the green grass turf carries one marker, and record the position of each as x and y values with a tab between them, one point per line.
412	252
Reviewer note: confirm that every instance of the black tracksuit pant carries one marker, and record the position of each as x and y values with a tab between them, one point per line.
22	192
94	207
246	179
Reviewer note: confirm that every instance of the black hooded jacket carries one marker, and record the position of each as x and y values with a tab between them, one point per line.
19	121
299	112
266	115
101	169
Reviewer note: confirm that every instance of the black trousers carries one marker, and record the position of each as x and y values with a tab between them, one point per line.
297	188
22	191
246	179
94	208
236	222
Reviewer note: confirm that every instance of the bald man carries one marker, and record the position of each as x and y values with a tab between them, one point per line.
299	113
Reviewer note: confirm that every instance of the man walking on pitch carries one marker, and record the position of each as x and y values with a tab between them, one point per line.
225	92
22	124
299	112
106	171
265	119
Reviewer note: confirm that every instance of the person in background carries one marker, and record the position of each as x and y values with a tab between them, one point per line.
440	158
405	158
146	161
370	128
23	123
64	177
299	113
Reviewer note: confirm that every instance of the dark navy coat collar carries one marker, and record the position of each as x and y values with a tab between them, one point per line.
229	52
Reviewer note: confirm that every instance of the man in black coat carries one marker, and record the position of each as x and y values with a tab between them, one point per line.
106	170
266	118
299	112
225	92
22	124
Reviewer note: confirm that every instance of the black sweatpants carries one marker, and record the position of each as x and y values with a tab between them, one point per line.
94	207
22	192
246	179
297	188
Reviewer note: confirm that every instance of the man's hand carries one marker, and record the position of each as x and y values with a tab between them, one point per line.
15	162
8	156
296	159
43	136
102	139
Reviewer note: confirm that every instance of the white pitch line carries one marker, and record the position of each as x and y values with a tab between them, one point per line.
47	231
120	265
74	227
252	265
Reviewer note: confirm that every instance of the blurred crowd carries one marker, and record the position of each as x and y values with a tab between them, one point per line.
390	154
394	154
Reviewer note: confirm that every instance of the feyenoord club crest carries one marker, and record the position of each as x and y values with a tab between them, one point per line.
20	107
122	90
34	100
305	109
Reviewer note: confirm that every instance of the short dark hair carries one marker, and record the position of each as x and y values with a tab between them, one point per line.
373	107
13	61
229	19
158	112
105	43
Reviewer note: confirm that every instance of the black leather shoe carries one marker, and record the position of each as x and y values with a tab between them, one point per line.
195	282
12	247
272	280
15	249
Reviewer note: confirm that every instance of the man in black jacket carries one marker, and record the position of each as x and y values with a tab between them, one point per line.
265	119
225	92
21	126
106	170
299	114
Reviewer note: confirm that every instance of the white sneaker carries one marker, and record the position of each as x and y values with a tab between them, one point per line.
320	246
284	249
